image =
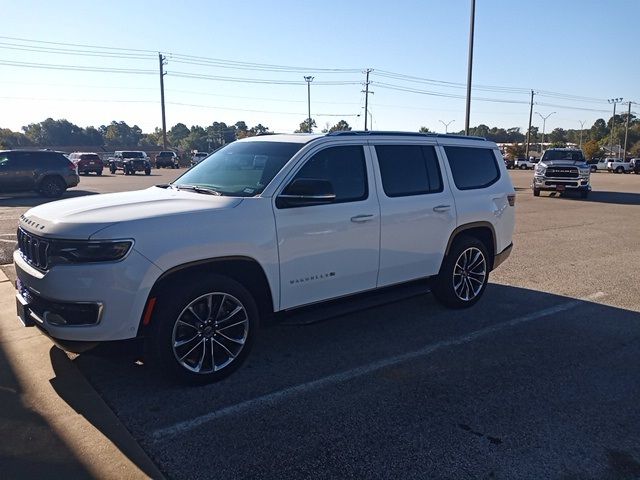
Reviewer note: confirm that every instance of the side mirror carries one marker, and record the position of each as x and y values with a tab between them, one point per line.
306	192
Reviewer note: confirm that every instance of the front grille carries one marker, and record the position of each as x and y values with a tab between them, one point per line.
33	249
562	172
560	182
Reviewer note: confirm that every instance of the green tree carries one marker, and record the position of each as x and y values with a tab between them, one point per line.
259	129
424	130
304	126
10	139
592	150
119	134
177	134
598	130
515	151
342	125
558	135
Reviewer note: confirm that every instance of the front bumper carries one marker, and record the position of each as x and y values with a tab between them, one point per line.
86	302
577	184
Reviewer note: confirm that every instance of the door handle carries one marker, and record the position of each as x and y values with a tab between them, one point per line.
361	218
442	208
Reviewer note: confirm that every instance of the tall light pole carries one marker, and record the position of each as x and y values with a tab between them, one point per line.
544	125
581	122
626	129
470	66
614	101
446	125
309	79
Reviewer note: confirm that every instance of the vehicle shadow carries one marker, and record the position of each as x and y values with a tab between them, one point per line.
617	198
288	355
30	447
33	200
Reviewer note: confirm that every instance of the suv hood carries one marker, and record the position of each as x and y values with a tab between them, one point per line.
80	218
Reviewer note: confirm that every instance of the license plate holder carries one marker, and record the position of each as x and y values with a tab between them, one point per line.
22	310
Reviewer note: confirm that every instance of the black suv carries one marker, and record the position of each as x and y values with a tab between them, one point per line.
635	165
130	162
44	171
167	159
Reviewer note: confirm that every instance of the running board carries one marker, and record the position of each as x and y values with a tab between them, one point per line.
335	308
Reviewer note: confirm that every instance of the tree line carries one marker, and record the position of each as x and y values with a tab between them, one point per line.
62	133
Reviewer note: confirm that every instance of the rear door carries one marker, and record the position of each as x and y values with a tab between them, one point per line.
330	250
416	207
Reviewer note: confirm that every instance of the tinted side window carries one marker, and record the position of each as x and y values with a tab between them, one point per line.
408	170
472	167
344	167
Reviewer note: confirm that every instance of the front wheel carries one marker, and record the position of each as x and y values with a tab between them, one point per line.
619	170
536	192
203	331
463	275
147	171
52	187
584	194
523	167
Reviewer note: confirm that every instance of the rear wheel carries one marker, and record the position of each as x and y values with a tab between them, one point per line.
584	194
619	170
464	273
203	331
52	187
536	192
523	167
99	172
147	171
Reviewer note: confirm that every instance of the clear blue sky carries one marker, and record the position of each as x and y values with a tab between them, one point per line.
586	48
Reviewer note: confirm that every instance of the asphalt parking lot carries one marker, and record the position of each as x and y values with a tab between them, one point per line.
539	380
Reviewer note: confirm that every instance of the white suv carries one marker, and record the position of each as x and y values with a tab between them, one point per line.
266	224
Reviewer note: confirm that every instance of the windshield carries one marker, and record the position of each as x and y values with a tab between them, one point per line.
133	154
166	154
241	168
573	155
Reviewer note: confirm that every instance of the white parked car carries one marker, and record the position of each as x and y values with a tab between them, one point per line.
525	164
600	165
267	224
197	157
618	165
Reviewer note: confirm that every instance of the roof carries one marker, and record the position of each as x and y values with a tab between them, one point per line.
307	137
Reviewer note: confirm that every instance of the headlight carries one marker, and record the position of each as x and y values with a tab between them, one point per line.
585	172
540	170
70	252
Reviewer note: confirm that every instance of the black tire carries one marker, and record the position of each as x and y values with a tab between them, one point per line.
443	286
584	194
52	187
536	192
620	170
523	167
112	170
594	169
99	172
147	171
165	328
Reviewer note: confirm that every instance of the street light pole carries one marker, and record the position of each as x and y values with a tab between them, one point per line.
581	122
470	66
544	125
626	130
309	79
614	101
446	125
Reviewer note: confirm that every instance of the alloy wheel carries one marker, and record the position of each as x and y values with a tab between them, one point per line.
210	333
469	274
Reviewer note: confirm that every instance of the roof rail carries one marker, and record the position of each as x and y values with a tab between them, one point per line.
403	134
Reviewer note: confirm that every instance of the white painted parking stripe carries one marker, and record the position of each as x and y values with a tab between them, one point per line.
273	398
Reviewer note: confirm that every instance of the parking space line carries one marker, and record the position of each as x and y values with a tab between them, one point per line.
271	399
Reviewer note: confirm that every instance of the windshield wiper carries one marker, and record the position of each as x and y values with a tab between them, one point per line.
198	189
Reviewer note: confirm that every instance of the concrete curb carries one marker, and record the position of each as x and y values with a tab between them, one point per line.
57	424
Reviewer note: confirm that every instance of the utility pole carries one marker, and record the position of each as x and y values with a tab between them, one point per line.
614	101
470	66
529	130
309	79
544	124
164	121
626	130
446	125
581	122
366	97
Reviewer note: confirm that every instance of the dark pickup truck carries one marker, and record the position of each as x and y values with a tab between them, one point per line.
130	162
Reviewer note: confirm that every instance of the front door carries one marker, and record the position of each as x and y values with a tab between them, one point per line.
330	250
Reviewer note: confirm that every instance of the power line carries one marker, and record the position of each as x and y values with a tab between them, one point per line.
77	68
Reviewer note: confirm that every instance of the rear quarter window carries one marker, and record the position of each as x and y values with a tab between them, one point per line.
472	168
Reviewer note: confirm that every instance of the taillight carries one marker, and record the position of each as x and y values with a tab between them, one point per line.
511	198
71	166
